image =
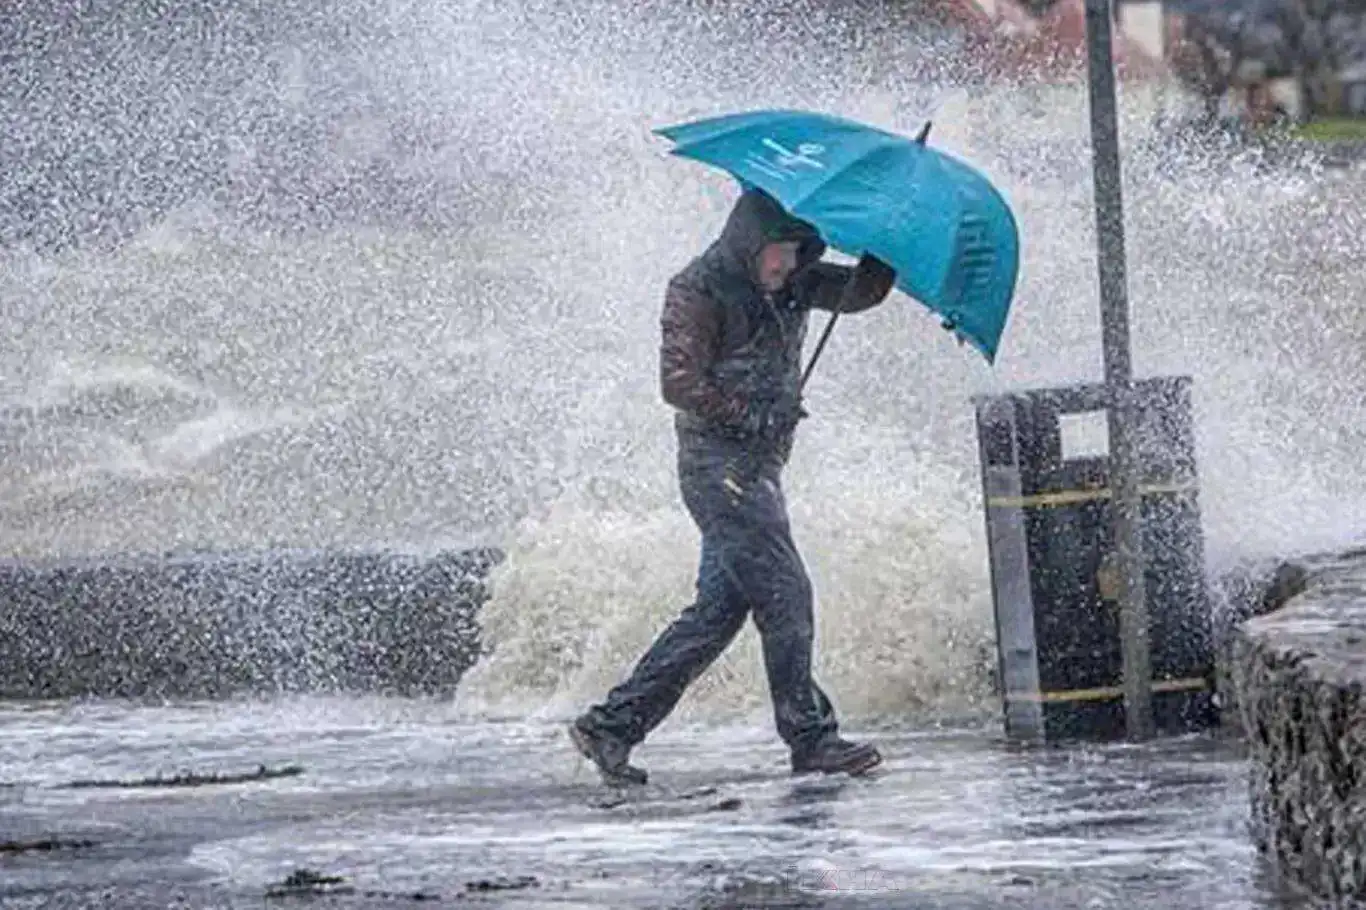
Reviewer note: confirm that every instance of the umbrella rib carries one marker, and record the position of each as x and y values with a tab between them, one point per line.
862	156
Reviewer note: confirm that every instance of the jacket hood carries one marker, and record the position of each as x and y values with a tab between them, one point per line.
757	219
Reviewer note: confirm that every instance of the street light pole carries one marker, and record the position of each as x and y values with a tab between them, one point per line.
1114	306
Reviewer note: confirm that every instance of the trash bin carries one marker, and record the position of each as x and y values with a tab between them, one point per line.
1045	474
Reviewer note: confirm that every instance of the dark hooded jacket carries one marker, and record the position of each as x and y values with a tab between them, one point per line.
729	350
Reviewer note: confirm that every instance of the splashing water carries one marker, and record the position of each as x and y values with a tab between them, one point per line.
468	352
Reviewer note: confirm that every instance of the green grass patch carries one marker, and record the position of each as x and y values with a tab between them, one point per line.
1332	129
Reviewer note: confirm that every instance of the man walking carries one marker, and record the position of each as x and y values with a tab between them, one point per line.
733	326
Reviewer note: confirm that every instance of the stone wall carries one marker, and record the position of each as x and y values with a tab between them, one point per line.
215	625
1240	594
1299	677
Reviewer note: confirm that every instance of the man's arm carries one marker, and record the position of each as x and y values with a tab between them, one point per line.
841	289
690	337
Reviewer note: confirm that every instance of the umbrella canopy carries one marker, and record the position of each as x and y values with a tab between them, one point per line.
941	225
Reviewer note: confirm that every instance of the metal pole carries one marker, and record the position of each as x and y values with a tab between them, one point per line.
1114	305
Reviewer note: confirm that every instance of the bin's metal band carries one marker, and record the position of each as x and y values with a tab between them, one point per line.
1159	685
1070	497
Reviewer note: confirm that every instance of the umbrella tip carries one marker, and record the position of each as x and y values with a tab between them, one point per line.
924	132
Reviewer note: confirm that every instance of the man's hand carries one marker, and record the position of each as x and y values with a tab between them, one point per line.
774	421
869	285
875	272
849	289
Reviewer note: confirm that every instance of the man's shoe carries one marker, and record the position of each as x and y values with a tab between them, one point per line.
607	753
834	755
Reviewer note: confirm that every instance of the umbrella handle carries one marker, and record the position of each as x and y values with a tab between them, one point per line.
820	345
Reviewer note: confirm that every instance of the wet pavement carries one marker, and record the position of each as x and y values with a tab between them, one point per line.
409	804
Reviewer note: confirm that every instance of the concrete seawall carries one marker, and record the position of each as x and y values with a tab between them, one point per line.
1298	685
1239	595
216	625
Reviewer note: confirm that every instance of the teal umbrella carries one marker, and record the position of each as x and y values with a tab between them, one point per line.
943	227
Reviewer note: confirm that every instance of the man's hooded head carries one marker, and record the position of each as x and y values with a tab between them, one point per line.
766	244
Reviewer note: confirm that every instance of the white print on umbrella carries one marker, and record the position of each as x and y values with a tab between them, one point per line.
783	162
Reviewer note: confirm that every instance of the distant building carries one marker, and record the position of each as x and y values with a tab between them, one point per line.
1251	60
